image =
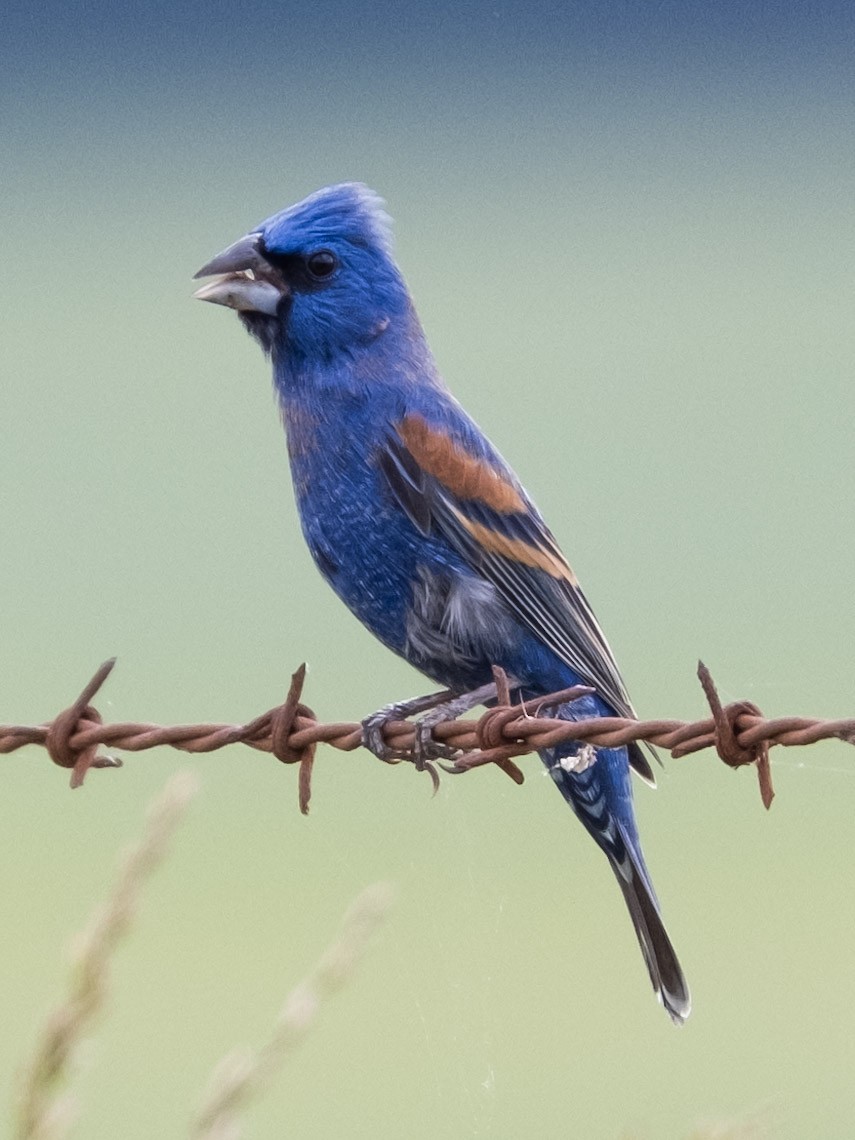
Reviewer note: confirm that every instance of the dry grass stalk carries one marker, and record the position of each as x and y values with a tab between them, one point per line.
45	1112
243	1074
751	1127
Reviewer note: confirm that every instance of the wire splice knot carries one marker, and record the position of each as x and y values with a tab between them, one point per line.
727	745
59	740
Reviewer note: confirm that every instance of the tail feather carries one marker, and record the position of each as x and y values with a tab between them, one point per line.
663	966
601	796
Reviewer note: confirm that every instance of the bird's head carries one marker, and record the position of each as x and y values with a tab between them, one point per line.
316	280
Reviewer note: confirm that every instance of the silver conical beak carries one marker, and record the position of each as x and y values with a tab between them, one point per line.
248	282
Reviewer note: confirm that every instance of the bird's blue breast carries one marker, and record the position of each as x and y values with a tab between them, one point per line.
368	551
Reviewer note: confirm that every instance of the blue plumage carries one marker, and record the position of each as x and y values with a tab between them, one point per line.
414	518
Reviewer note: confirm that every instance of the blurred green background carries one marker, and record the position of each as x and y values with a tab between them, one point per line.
628	229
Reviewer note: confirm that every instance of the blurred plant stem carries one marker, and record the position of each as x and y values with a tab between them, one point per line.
45	1110
243	1074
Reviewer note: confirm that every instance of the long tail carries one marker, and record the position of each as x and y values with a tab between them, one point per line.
663	966
601	797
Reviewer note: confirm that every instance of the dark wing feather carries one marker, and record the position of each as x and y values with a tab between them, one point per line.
407	482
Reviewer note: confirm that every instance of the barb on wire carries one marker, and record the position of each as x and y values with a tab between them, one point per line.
739	733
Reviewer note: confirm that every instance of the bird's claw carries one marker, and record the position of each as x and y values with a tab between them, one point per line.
425	746
372	735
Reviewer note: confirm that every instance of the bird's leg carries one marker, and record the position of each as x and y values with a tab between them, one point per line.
439	707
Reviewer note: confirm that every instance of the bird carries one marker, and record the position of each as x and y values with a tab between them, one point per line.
415	519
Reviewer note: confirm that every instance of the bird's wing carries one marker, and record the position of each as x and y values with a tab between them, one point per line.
483	513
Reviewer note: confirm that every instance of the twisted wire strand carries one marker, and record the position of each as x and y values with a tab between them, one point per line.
739	732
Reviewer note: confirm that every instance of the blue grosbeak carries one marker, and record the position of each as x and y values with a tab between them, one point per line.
415	519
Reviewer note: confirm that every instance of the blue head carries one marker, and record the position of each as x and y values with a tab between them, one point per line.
315	282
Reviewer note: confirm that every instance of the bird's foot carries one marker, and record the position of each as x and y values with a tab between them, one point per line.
374	726
437	707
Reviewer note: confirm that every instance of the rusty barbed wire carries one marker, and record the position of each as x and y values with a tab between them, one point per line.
739	733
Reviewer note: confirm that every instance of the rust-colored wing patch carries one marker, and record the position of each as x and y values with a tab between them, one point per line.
463	475
540	557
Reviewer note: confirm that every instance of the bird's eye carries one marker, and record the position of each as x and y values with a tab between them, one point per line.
321	265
